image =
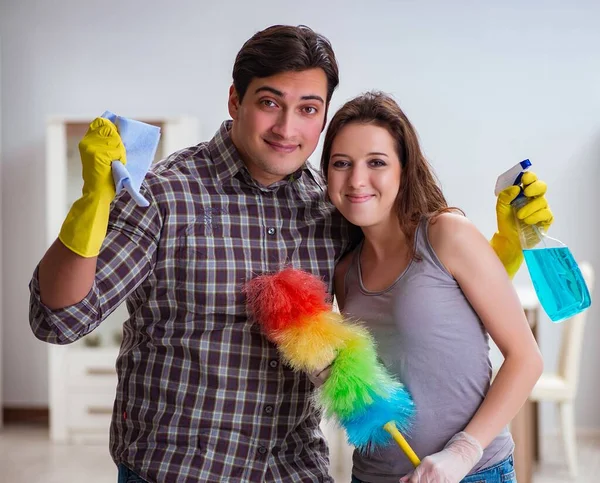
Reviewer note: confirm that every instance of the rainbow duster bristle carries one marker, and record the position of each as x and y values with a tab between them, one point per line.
365	428
293	310
285	299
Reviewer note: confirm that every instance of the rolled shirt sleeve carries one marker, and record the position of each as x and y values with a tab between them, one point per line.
126	259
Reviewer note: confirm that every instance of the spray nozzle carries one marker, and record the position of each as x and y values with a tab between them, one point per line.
512	176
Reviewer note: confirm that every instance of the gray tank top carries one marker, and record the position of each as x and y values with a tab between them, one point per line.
429	335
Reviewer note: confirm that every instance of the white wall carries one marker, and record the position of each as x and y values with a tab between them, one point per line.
1	358
485	87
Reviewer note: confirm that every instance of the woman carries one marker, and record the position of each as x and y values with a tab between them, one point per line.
430	289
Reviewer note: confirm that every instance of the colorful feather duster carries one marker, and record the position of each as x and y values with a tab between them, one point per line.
294	313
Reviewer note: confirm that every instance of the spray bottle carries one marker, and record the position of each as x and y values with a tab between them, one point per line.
556	277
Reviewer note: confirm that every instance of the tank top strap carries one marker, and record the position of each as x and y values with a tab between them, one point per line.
423	247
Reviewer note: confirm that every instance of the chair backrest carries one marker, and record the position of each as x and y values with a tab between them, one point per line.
572	337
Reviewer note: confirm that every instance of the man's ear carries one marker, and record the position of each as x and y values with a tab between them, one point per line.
233	104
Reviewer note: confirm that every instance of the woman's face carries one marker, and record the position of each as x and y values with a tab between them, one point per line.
364	174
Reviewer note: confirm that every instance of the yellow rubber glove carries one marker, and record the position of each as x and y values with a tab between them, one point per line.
84	229
505	241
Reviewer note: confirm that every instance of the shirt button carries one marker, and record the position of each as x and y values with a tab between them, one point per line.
271	231
273	363
268	409
262	450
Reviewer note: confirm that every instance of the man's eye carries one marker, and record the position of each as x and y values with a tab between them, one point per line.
310	110
268	103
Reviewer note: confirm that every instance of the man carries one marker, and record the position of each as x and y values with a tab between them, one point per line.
202	395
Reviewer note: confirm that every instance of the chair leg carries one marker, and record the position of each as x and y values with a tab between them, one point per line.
567	422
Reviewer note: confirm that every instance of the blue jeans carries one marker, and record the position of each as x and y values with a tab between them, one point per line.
128	476
503	472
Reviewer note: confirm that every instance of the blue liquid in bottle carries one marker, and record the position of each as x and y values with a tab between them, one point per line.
558	282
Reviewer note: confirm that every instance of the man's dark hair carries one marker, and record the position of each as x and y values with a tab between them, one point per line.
284	48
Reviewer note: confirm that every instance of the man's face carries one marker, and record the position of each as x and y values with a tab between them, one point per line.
277	125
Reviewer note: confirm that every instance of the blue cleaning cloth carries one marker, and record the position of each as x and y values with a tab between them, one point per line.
141	141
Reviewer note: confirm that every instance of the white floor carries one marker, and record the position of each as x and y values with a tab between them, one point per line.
27	456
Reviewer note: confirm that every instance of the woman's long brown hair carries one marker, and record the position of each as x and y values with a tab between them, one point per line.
419	194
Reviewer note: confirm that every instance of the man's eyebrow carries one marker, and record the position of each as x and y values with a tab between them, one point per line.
272	90
313	97
278	93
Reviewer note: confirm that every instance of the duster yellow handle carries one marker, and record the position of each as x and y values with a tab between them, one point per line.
391	428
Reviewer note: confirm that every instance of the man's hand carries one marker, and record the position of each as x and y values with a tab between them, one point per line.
100	146
319	377
84	229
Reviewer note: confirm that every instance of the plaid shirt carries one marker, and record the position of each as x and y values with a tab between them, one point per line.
202	395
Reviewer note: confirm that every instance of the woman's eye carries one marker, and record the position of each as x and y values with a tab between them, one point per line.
377	163
340	164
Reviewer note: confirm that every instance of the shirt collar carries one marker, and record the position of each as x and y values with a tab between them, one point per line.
224	154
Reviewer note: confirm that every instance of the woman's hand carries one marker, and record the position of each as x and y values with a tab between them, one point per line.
450	465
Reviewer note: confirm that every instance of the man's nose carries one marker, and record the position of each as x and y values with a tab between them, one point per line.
284	126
